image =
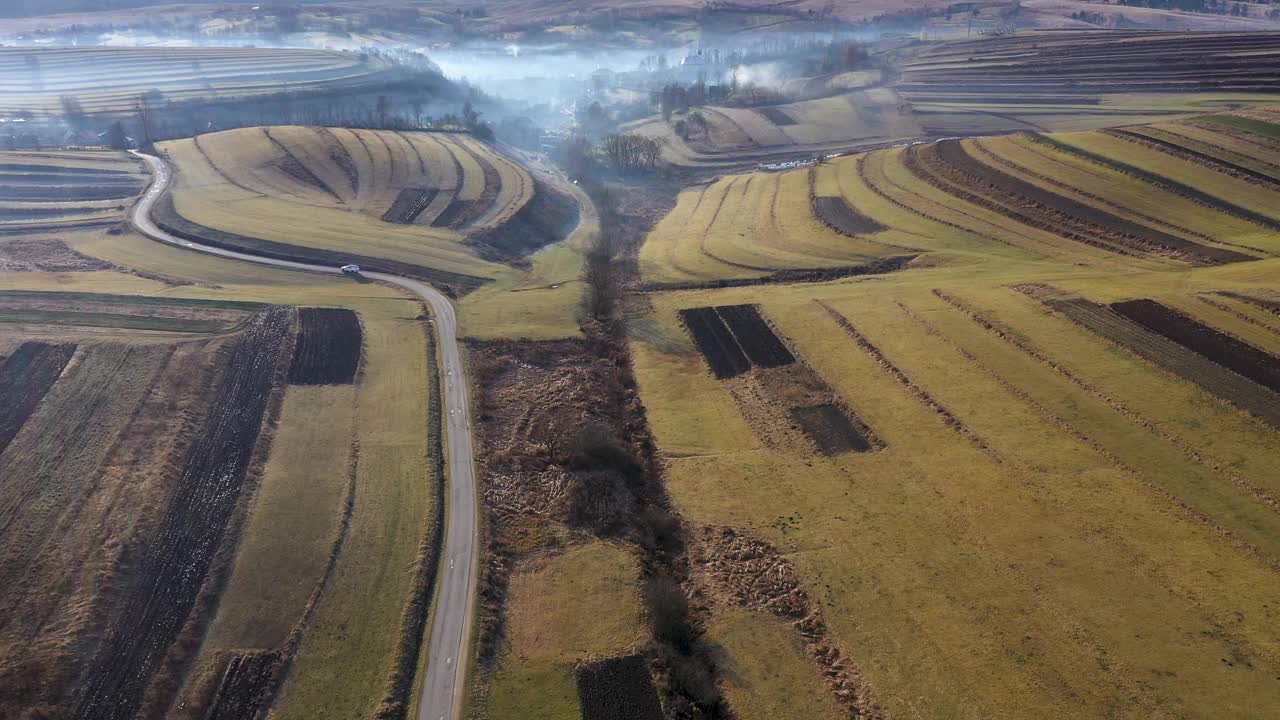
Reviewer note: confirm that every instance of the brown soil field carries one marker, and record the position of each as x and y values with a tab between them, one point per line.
1225	350
831	429
836	213
713	339
1090	63
618	689
409	204
135	642
328	348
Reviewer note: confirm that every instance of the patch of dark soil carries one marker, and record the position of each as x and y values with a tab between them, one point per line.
25	377
618	688
716	343
787	277
245	686
836	213
172	568
167	217
776	115
328	347
755	336
832	430
26	254
548	217
1247	360
409	205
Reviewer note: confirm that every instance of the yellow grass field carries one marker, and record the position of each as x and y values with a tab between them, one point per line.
577	606
1057	521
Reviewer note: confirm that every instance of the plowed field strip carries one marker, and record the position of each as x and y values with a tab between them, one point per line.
715	342
953	153
1172	357
1189	453
1163	183
172	567
955	183
1010	165
755	336
1225	350
1094	445
25	377
328	348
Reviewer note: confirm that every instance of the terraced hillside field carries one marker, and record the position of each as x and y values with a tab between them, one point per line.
1041	453
1039	81
62	189
1077	80
1192	193
110	79
439	206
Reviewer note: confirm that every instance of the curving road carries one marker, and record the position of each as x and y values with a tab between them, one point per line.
443	682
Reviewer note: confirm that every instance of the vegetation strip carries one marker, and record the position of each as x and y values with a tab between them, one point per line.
166	216
1142	480
1179	151
398	695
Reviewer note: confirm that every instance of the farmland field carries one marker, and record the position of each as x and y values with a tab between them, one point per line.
1069	397
150	349
1059	81
109	79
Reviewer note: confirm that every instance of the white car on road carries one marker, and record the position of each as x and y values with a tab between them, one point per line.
350	269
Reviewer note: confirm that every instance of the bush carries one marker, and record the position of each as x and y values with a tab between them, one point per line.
669	614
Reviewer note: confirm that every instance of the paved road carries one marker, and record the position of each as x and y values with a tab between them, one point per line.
443	683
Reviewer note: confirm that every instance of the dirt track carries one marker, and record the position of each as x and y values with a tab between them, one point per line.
443	682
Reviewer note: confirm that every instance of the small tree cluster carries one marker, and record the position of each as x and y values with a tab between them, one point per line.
631	151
